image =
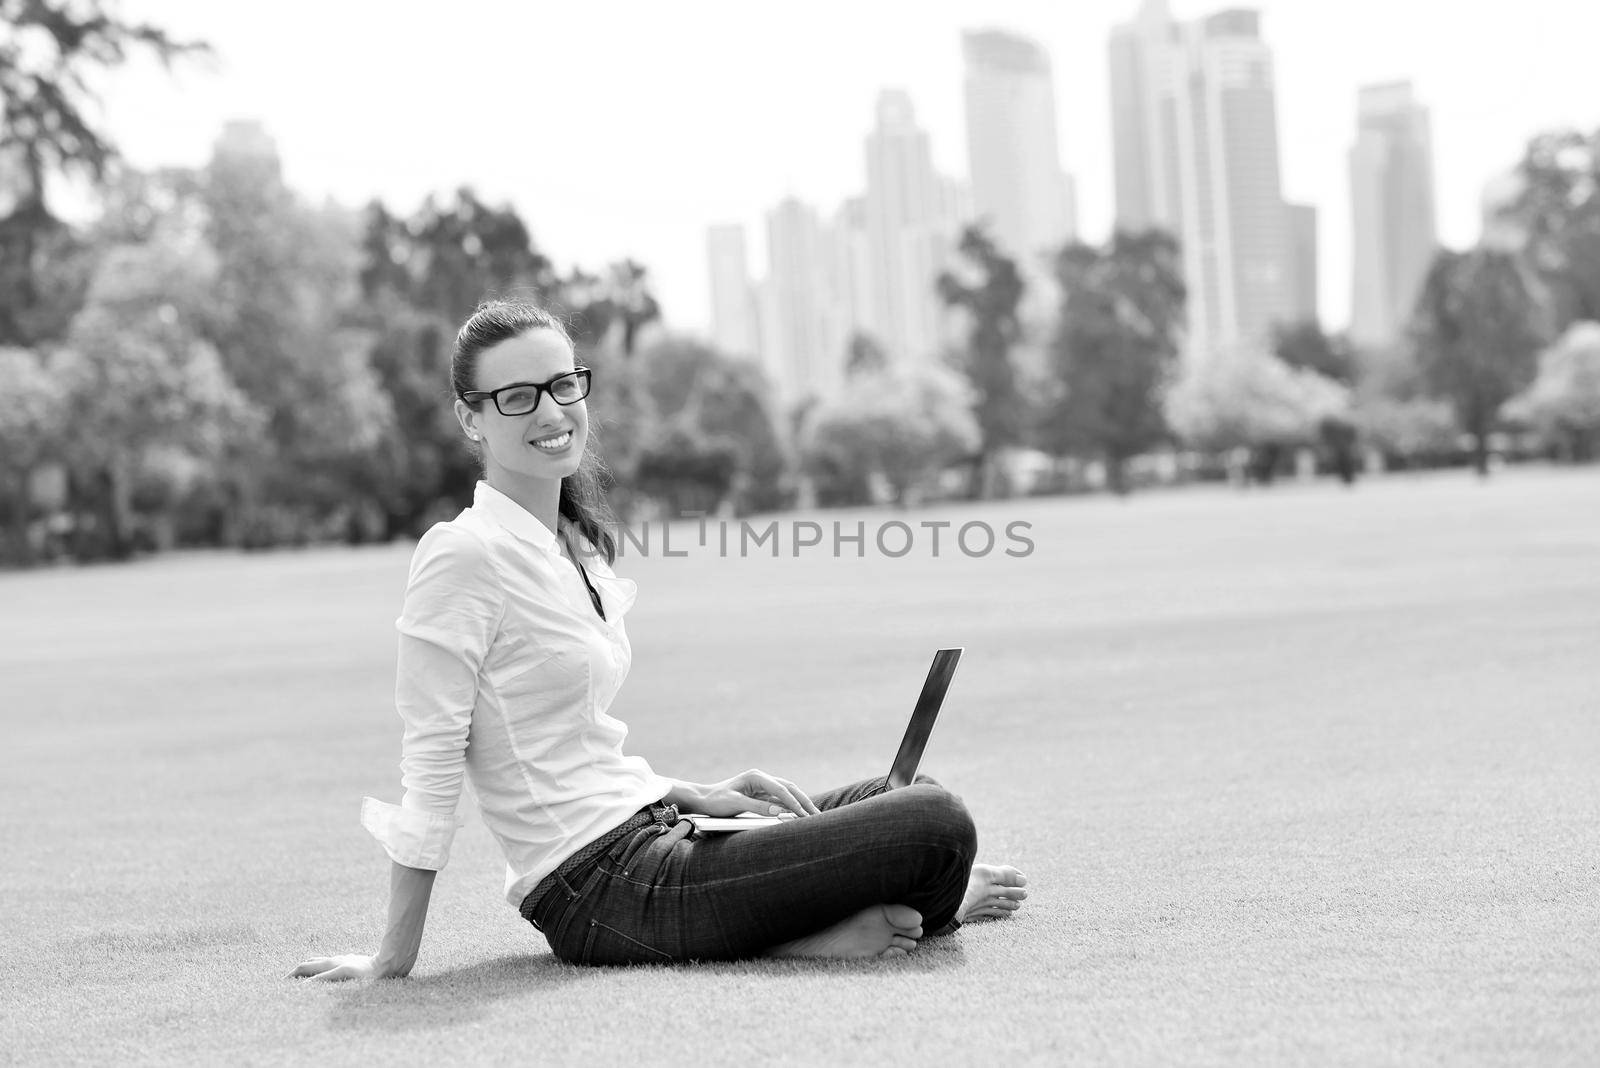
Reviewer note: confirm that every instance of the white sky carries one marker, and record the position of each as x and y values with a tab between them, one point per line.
626	128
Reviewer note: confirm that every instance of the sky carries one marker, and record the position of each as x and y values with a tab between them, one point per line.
625	129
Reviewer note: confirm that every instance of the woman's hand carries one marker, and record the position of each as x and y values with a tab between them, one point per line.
754	791
333	969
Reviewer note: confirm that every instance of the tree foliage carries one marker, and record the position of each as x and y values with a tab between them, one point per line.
1477	330
989	288
706	409
49	51
1116	347
618	302
31	422
1557	209
1250	399
1563	401
1305	345
903	423
139	372
865	355
1407	430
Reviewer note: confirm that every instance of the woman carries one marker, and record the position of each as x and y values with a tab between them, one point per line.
511	650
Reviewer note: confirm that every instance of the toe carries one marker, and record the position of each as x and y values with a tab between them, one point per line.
904	917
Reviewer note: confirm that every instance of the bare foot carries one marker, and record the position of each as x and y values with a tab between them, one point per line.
993	891
879	931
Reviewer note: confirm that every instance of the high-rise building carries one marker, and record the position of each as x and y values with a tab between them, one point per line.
733	299
1391	200
906	247
1146	60
852	265
1194	128
1013	155
804	321
1302	261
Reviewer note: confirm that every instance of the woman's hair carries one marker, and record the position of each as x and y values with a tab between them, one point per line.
583	498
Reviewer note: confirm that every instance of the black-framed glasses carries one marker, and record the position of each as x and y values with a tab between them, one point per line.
520	398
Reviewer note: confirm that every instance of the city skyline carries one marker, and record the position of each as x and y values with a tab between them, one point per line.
636	148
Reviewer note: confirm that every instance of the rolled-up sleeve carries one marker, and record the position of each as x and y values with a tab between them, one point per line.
453	608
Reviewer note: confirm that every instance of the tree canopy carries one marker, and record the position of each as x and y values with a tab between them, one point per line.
1477	330
1116	347
989	288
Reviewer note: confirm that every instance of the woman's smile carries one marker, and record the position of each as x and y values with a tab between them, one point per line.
558	442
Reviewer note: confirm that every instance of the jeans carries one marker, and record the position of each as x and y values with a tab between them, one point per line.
668	893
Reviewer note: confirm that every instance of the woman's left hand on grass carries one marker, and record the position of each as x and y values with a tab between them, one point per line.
754	791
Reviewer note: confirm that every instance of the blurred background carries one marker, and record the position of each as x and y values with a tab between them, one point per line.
855	254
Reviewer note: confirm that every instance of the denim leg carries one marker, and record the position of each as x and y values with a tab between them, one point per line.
860	791
728	896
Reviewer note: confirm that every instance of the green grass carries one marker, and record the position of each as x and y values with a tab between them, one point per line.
1300	776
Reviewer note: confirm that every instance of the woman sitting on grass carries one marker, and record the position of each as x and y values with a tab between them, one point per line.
511	650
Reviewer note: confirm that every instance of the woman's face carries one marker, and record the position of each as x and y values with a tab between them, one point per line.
547	442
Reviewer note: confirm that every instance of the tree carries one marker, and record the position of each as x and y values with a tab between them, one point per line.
902	424
990	290
1564	400
420	459
865	355
462	252
287	277
29	429
688	470
1303	344
695	391
1477	332
1251	400
1556	207
1116	347
620	300
1408	429
138	371
48	50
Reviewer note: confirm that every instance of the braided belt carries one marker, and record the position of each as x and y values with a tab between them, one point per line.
665	815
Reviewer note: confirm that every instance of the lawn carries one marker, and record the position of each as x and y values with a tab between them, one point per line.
1306	776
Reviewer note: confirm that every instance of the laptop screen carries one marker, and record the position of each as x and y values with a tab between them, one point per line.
904	769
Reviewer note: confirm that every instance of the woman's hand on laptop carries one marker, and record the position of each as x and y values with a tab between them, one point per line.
754	791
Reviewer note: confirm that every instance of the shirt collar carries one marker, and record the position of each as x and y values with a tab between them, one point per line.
511	515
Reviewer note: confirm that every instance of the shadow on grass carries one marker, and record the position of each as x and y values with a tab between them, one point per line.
444	998
450	998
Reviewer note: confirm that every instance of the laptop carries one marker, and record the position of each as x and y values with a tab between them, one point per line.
903	772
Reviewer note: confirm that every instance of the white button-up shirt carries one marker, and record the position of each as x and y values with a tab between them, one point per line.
506	672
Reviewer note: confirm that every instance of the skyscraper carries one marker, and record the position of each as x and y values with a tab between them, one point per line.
1302	262
733	302
1391	200
1012	152
804	324
1146	60
905	245
1194	128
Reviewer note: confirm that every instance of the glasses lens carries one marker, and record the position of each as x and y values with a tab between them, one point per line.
570	388
519	401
